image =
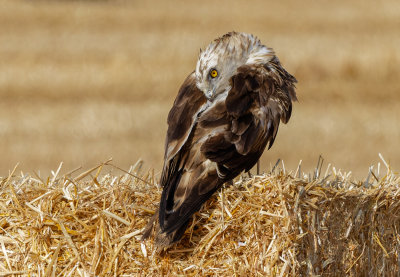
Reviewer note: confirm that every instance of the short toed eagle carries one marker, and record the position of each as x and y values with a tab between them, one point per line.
226	113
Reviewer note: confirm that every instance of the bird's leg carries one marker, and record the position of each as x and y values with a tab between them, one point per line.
249	174
150	226
258	170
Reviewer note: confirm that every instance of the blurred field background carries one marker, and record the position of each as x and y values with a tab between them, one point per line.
82	81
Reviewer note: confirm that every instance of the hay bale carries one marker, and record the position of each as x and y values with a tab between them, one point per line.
350	231
275	224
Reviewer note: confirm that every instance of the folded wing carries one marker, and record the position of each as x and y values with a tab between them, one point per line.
209	143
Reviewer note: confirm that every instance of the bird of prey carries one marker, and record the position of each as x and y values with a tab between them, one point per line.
225	114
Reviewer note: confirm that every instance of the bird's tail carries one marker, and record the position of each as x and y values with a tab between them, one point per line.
162	239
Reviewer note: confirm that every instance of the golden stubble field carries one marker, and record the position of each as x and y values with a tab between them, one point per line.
84	81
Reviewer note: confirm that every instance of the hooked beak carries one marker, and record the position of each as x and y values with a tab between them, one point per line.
210	94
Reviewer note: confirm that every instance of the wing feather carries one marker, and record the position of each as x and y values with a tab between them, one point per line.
258	100
182	116
181	120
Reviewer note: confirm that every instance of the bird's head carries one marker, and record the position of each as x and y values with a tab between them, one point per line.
222	57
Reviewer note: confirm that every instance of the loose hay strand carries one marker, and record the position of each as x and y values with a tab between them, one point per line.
3	248
50	268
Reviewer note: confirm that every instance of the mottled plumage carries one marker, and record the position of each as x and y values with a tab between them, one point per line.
219	126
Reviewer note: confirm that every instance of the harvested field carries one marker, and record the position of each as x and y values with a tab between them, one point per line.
277	224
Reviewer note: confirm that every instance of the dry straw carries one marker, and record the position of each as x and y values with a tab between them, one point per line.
277	224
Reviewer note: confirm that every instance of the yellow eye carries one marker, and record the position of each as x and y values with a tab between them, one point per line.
213	73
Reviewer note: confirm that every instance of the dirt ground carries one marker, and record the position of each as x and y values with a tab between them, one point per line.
82	81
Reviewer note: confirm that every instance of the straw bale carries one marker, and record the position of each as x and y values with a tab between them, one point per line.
269	225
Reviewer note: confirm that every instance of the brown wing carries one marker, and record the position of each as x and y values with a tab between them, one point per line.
220	141
182	115
193	180
261	97
181	120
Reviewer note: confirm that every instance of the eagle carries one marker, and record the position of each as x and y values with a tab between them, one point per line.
226	113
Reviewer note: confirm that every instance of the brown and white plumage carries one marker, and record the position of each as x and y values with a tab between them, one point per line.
219	126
